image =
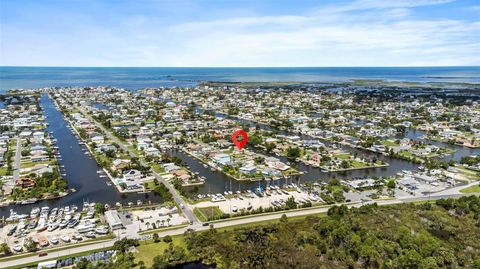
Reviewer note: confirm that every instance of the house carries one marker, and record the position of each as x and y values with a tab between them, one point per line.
248	169
222	159
151	151
132	175
25	183
120	164
97	138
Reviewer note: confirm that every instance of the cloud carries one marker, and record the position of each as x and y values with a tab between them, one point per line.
360	33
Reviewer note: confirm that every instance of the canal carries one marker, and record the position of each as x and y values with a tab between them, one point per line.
81	170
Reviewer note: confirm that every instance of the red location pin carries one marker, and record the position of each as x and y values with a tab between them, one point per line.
240	144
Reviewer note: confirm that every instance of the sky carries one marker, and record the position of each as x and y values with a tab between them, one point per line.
221	33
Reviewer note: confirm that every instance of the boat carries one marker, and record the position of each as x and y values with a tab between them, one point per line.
35	212
42	241
52	227
87	227
72	223
53	240
32	224
28	201
12	230
101	230
65	238
63	224
90	234
17	248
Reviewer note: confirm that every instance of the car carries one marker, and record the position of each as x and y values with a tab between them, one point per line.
190	230
42	254
205	224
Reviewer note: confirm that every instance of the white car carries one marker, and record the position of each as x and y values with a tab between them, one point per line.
234	208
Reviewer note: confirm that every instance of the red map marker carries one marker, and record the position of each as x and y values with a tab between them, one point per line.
240	144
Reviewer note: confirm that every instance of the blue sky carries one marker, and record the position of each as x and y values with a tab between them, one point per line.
240	33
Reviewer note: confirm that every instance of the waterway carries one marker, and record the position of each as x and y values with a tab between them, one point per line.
81	170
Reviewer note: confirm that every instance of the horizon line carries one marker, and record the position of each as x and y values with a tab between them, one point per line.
345	66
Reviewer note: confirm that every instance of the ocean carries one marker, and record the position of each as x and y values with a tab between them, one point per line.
140	77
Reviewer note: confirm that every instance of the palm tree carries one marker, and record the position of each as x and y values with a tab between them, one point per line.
168	221
148	225
163	222
157	222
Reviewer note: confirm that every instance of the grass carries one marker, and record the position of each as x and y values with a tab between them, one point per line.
389	143
158	168
29	164
3	171
343	156
208	213
149	249
471	189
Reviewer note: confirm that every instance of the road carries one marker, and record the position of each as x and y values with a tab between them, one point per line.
16	163
218	224
187	210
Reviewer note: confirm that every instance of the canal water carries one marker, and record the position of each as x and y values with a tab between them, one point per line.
81	170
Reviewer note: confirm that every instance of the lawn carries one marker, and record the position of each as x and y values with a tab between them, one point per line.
208	213
389	143
471	189
3	171
148	249
158	168
343	156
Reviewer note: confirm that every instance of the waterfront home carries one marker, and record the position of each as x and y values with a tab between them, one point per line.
97	138
169	167
38	136
222	159
132	175
248	169
151	151
120	164
25	183
39	158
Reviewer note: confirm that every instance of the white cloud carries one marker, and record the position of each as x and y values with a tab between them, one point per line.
361	33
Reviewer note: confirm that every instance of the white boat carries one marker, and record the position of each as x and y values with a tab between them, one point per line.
86	227
35	212
52	227
17	248
101	230
65	238
90	234
53	240
63	224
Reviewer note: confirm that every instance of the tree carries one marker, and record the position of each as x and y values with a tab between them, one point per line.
290	204
5	249
30	245
391	184
293	153
124	244
156	238
167	239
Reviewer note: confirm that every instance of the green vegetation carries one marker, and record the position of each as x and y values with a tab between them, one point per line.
208	213
439	235
471	189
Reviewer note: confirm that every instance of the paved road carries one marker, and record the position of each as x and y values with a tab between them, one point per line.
188	211
16	162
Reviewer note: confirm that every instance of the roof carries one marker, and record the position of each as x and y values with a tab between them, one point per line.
113	218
